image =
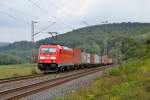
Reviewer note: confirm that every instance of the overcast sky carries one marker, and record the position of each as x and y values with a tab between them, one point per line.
16	15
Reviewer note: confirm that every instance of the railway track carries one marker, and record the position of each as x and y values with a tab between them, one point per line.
24	91
3	81
14	79
20	78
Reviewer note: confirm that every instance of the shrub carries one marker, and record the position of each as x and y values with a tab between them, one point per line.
130	81
125	86
33	71
115	72
15	75
58	98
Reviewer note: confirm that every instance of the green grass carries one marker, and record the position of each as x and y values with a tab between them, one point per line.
7	71
130	81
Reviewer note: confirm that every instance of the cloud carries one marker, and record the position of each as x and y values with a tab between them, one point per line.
13	34
68	15
118	11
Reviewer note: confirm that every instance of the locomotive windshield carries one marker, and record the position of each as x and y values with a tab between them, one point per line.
48	50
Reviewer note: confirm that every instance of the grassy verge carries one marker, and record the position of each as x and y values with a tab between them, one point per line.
130	81
7	71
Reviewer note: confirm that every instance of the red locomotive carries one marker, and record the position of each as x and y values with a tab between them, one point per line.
59	58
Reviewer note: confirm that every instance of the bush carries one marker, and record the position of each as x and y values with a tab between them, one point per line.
130	81
123	87
15	75
33	71
129	67
58	98
115	72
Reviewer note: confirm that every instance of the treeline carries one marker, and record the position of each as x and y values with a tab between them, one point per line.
124	41
9	59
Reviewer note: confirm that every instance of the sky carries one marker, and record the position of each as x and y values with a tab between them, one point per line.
64	15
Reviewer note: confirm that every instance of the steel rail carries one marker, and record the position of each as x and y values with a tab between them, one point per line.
3	81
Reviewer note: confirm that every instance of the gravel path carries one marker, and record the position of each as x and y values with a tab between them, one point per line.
60	90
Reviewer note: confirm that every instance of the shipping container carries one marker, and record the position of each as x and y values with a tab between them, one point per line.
105	60
110	61
96	59
85	58
92	59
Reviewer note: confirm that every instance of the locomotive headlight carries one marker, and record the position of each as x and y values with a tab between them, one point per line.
42	57
53	58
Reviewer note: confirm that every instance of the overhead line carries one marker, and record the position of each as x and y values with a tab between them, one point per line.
43	29
17	11
38	6
13	17
83	22
46	12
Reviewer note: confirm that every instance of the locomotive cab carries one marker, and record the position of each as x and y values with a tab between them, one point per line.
52	58
48	57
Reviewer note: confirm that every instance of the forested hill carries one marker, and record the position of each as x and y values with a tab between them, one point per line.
90	39
3	44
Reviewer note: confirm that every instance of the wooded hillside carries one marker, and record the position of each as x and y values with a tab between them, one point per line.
123	38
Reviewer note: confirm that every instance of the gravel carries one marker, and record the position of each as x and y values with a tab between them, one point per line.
61	90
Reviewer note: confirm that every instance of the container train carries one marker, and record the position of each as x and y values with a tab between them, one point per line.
56	58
